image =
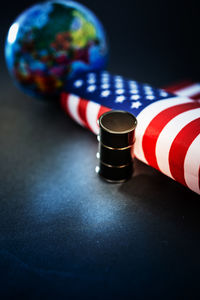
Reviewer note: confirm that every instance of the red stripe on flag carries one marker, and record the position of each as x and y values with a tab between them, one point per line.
102	110
180	147
155	127
195	97
82	111
63	101
178	86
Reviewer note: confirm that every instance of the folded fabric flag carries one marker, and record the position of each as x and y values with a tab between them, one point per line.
168	130
185	88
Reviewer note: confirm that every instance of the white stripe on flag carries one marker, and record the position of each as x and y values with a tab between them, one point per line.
73	102
192	165
92	116
168	135
147	115
189	91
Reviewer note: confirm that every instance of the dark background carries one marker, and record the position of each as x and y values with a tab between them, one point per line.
64	233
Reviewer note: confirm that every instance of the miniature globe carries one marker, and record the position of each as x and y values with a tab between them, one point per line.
52	42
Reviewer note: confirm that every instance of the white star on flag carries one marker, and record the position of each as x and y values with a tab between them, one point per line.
120	99
136	104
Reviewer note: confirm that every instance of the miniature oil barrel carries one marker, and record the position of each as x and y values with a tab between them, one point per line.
116	145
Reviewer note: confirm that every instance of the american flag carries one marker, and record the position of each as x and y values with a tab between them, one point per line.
168	130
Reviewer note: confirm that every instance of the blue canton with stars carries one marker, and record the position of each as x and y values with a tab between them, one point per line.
115	92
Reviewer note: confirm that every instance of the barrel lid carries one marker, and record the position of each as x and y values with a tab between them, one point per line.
118	122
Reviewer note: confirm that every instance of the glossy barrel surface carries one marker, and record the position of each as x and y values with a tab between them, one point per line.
116	145
115	173
116	156
117	129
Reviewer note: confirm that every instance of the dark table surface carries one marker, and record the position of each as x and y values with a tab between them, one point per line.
65	233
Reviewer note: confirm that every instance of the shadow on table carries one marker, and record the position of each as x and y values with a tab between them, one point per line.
162	195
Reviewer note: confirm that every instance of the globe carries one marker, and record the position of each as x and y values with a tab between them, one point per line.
53	42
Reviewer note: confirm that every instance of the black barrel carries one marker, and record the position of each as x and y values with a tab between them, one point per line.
117	129
116	145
